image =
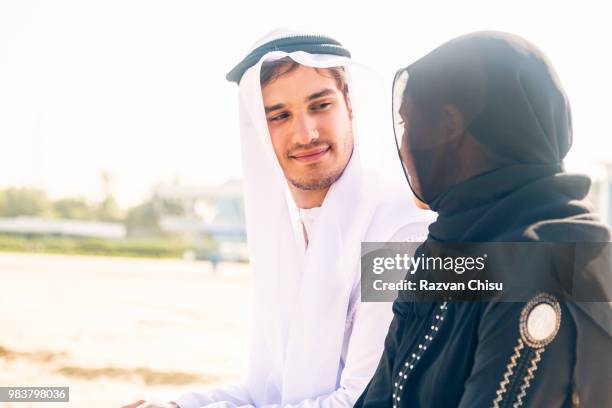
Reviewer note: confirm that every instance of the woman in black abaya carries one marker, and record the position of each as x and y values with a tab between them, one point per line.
483	125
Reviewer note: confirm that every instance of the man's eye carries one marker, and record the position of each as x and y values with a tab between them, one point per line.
279	117
322	105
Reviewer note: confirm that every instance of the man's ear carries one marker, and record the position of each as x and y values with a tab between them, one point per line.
452	121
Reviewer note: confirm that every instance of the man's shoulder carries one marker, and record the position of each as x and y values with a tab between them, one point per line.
413	232
399	220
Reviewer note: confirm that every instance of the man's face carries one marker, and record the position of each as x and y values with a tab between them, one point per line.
310	126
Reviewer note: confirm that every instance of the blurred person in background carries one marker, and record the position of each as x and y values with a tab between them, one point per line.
483	126
310	201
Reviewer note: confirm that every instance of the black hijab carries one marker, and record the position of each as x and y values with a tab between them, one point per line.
494	171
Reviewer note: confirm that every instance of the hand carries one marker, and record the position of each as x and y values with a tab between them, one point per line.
151	404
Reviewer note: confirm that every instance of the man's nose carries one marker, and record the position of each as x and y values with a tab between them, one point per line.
305	129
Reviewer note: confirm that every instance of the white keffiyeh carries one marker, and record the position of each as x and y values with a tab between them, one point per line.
314	343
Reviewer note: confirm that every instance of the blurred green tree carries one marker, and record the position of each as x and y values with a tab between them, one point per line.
74	209
143	219
108	209
26	201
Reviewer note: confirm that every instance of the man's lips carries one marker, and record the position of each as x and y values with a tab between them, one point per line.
312	155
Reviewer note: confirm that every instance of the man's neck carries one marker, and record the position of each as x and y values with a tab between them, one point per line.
307	198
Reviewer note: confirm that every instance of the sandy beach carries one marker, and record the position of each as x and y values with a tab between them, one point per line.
115	330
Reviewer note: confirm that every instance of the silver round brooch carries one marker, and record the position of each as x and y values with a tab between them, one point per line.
540	320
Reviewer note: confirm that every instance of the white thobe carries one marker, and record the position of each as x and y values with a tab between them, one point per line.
365	329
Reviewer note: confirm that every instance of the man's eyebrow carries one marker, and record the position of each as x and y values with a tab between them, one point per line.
315	95
319	94
274	107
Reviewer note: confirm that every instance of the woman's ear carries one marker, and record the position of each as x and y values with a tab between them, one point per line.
452	121
420	204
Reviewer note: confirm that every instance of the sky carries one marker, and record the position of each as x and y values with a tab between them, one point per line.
136	88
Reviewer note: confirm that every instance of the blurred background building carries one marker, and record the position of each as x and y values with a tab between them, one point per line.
212	218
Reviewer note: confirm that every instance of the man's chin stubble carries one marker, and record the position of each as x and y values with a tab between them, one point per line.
319	184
